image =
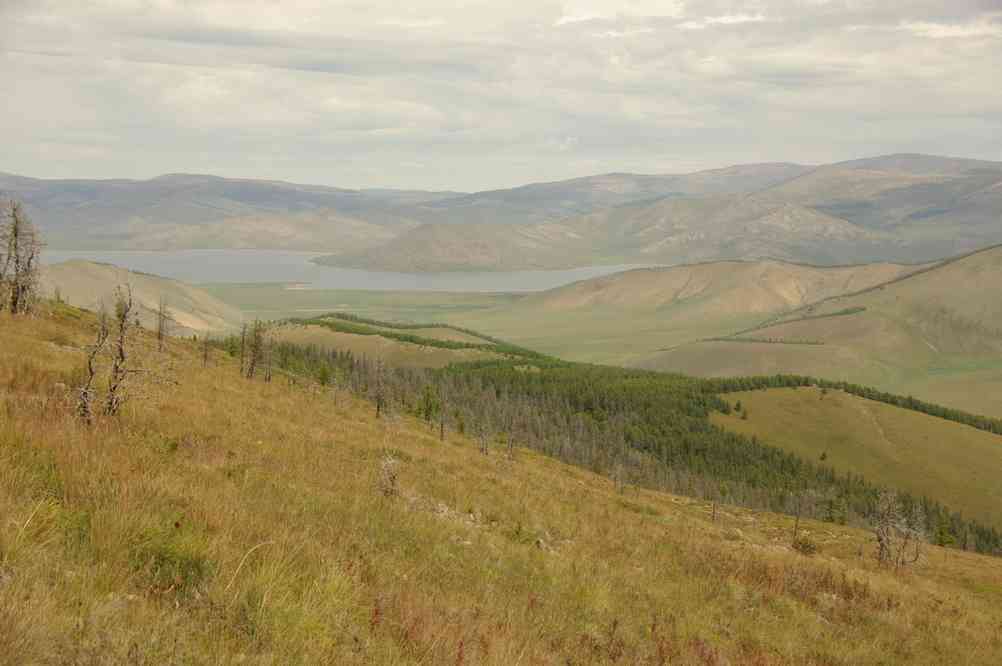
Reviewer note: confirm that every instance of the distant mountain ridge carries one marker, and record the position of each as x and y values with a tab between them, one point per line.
903	208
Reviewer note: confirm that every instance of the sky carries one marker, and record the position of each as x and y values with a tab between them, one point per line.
437	94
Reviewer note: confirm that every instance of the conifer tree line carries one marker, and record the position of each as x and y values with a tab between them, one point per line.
737	384
642	428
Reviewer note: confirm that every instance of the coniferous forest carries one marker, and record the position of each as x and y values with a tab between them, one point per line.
637	427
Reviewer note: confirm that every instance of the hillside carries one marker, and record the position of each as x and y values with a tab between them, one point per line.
393	344
546	202
87	284
893	446
622	317
908	208
667	231
226	520
936	335
187	211
184	211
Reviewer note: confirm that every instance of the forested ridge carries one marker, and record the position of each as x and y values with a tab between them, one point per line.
346	323
736	384
638	427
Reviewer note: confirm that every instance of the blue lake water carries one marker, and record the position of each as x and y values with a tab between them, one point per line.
202	266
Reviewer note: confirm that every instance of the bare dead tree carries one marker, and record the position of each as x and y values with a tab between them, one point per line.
164	321
255	348
120	353
380	390
20	255
205	351
243	347
442	413
85	393
267	358
898	542
389	475
619	478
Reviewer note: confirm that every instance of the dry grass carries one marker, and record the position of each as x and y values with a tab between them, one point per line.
226	521
928	456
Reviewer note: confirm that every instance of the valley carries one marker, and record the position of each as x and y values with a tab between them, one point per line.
501	334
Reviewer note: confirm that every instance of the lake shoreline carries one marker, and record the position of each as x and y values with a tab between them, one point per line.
294	267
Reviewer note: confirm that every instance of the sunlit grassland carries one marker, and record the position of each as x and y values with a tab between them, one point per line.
221	520
393	352
279	301
958	465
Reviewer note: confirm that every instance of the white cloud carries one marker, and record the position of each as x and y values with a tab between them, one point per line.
487	94
983	28
579	11
727	19
619	34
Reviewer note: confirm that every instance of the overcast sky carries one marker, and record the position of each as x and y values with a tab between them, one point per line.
476	95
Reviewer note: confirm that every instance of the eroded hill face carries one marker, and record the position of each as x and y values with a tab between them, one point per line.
936	334
89	285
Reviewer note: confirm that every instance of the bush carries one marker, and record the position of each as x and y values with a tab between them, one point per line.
803	545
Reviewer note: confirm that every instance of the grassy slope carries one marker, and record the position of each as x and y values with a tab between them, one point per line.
925	455
629	316
278	301
393	352
86	284
937	335
225	521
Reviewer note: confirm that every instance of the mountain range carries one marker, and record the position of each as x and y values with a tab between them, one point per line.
904	208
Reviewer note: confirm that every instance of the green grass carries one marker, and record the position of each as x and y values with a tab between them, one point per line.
936	335
924	455
396	352
278	301
220	520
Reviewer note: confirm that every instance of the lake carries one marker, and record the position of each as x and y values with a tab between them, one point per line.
242	266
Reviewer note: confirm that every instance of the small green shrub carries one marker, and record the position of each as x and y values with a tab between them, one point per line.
804	545
172	558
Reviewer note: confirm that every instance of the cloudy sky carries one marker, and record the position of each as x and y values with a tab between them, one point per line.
474	95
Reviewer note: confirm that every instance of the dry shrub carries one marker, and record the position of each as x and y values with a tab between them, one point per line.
388	482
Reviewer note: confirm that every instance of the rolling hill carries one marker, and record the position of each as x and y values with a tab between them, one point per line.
87	284
547	202
626	317
229	520
936	334
179	211
398	345
896	447
908	208
185	211
903	208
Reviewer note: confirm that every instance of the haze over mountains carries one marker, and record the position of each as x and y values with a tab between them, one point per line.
899	208
909	208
